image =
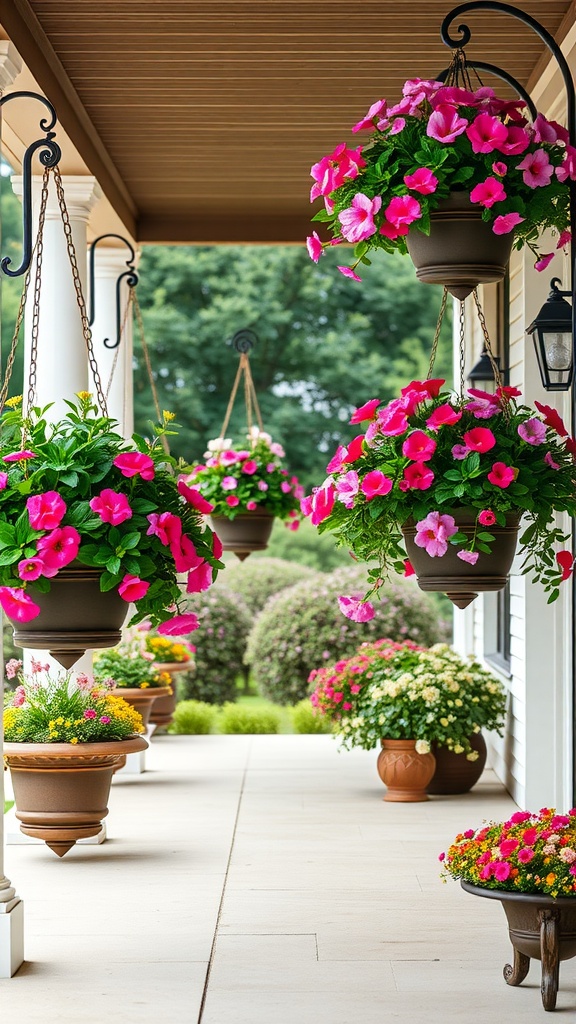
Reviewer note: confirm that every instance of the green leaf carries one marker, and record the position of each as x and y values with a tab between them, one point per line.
6	533
10	555
130	541
108	581
484	535
113	565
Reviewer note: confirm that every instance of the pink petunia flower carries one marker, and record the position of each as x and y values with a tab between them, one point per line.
355	609
550	461
418	476
193	497
544	261
348	272
232	500
375	483
486	517
564	238
336	464
419	446
499	168
135	464
422	181
45	511
112	507
358	219
501	475
479	439
365	412
392	422
517	141
488	192
468	556
486	133
506	222
434	532
460	451
30	568
444	415
314	246
166	526
377	108
537	169
483	404
58	548
347	488
354	449
17	605
409	569
532	431
229	483
199	578
262	485
184	553
403	210
322	503
445	125
132	588
19	456
180	625
249	467
3	481
251	505
568	168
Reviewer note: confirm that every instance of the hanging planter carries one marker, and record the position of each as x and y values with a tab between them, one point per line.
247	532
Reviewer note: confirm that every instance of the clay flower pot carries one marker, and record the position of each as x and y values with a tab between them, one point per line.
541	928
461	250
61	789
459	580
405	772
454	773
143	700
249	531
75	616
164	707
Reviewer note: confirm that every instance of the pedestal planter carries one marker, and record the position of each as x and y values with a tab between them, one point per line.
249	531
459	580
61	789
461	250
405	772
143	700
75	616
454	773
541	928
164	707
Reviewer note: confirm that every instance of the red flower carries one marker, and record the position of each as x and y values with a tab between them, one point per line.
501	475
366	411
552	418
443	416
565	561
479	439
354	449
487	517
418	476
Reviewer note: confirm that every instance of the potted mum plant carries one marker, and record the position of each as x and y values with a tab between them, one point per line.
64	738
90	523
437	485
137	679
528	863
246	488
452	176
413	701
169	656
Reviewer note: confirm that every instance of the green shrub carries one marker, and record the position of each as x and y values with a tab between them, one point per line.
306	720
193	718
236	718
257	579
220	643
302	627
306	546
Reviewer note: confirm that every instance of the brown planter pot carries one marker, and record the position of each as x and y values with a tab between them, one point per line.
404	772
461	250
163	709
61	789
541	928
249	531
143	700
460	581
454	772
75	616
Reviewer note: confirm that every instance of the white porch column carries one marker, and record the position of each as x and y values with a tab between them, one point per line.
11	906
109	264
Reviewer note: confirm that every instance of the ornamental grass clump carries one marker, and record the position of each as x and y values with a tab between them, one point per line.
428	455
437	140
402	691
531	853
66	708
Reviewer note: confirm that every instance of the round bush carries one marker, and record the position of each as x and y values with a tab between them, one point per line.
256	579
193	718
302	627
306	720
237	718
220	643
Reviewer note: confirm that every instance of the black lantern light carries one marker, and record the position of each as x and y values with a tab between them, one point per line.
551	331
482	372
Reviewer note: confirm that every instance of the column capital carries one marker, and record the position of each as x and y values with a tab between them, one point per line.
81	192
10	64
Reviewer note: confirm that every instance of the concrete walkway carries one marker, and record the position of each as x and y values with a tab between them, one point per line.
262	880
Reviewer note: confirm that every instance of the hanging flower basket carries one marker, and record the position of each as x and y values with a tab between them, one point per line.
247	532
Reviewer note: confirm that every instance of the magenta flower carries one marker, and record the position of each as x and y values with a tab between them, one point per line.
499	168
285	487
459	451
543	262
112	507
479	439
19	456
135	464
105	719
132	588
502	870
180	625
418	476
193	497
348	272
3	481
532	431
249	467
229	483
501	475
379	107
508	846
506	222
418	446
322	503
409	569
58	548
336	464
89	713
468	556
17	605
45	511
229	457
444	125
355	609
564	238
184	553
354	449
391	232
166	526
434	532
444	415
484	404
262	485
422	181
568	168
375	483
358	220
488	192
252	506
402	210
537	169
314	246
518	140
30	568
486	133
232	500
347	488
392	421
550	461
486	517
331	171
365	412
525	855
199	578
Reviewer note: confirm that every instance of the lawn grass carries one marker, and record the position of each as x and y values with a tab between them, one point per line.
256	702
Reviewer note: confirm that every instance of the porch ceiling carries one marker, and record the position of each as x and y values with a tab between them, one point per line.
201	119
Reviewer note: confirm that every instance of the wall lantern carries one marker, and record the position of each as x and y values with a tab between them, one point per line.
551	332
482	372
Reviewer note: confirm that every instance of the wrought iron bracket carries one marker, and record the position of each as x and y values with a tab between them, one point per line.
244	340
49	153
129	275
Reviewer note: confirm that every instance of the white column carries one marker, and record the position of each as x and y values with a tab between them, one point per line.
11	906
109	264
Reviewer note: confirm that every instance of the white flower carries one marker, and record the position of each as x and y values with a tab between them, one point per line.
217	444
422	747
255	434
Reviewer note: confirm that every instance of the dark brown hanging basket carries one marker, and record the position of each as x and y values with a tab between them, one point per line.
461	250
75	616
249	531
459	580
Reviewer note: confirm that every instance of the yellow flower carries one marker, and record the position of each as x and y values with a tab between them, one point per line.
59	720
83	395
13	403
143	686
74	739
168	416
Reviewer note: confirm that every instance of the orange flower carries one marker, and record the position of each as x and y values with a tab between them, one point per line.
550	878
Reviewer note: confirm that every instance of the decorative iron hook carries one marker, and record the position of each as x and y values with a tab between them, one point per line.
49	155
493	69
129	275
244	340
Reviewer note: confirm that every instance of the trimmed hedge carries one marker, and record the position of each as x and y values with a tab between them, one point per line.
237	718
220	642
306	720
193	718
257	579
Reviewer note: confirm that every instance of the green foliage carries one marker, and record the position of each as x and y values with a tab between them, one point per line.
237	718
220	641
193	718
255	580
256	469
305	547
127	669
303	627
306	720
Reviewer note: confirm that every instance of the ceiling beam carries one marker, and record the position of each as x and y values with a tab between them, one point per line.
224	229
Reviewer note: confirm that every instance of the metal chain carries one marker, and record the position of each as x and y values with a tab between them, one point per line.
487	342
79	296
462	329
140	322
437	333
36	300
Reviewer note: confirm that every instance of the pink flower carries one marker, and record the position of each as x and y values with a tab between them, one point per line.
19	697
486	517
3	481
229	483
434	532
232	500
379	107
422	181
486	133
347	488
565	560
444	415
89	713
568	168
262	485
249	467
564	238
518	140
479	439
543	262
199	578
508	846
17	605
30	568
525	855
336	464
105	719
353	608
532	431
502	871
111	506
193	497
13	667
132	588
19	457
331	171
506	222
285	487
166	526
468	556
322	503
314	246
365	412
58	548
499	168
550	461
444	125
484	405
251	505
409	569
348	272
501	475
358	220
418	476
354	450
418	446
180	625
229	457
402	210
488	192
459	451
519	817
135	464
392	422
537	169
375	483
45	511
217	548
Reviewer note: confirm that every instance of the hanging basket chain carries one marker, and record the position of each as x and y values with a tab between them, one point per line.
36	300
462	340
146	354
437	333
250	398
487	342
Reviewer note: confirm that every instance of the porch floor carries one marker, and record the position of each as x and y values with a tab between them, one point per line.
262	880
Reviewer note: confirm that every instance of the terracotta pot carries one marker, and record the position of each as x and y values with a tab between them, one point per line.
75	616
454	772
61	789
163	709
539	927
459	580
249	531
404	772
461	250
143	700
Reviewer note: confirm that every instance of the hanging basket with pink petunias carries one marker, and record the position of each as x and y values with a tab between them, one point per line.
436	485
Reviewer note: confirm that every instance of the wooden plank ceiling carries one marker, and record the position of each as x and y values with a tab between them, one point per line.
212	111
